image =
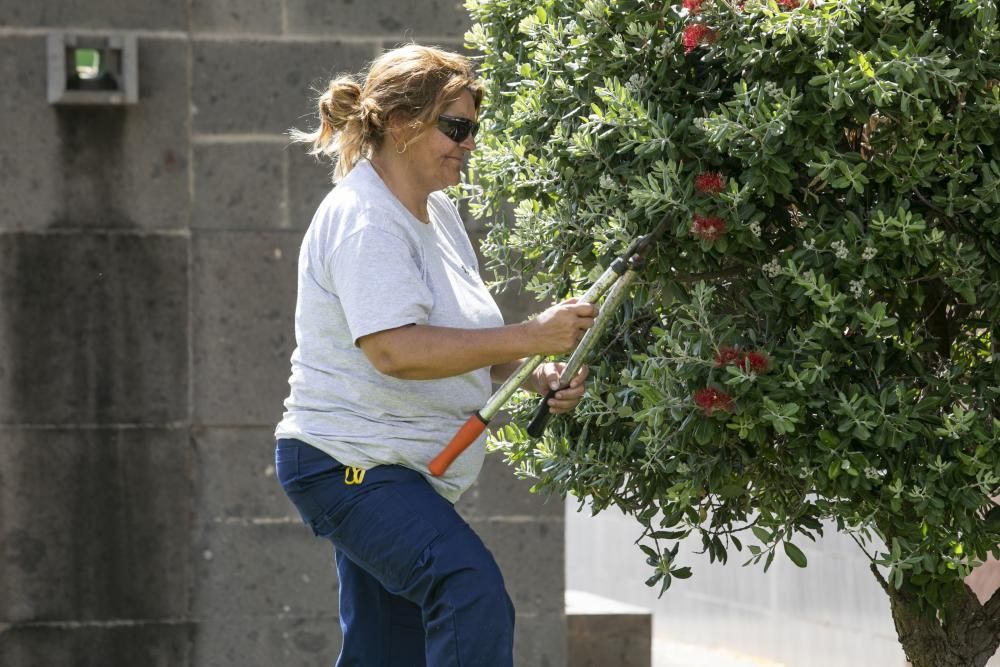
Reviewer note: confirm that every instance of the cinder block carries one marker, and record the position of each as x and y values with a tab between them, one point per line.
540	641
146	644
94	328
255	16
235	478
309	181
244	329
266	641
164	15
531	556
96	525
402	18
149	175
603	632
263	86
596	641
92	166
238	186
262	570
28	192
500	493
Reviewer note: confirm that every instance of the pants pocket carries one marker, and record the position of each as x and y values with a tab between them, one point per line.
309	477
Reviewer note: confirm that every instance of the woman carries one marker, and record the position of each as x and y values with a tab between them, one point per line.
398	342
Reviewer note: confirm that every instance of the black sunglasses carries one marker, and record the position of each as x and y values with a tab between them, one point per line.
457	129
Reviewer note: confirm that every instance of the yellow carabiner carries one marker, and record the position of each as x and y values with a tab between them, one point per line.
353	476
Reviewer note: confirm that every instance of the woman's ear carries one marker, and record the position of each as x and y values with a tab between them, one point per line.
400	129
394	126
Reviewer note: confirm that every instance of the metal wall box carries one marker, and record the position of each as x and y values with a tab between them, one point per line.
112	80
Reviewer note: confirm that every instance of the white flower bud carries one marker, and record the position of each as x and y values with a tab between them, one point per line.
772	269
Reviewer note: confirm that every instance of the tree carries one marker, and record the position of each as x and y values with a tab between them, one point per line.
816	338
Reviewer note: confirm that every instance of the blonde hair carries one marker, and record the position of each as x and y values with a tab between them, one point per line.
414	82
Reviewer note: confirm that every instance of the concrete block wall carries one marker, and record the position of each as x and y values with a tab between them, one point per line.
147	284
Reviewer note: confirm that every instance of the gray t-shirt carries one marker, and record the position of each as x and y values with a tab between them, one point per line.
367	265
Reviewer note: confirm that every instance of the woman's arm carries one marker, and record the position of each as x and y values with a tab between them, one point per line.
424	352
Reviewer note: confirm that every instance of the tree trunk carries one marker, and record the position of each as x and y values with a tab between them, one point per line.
966	634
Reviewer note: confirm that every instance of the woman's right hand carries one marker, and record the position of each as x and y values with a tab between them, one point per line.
558	329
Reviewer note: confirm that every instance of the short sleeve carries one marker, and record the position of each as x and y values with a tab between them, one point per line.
379	283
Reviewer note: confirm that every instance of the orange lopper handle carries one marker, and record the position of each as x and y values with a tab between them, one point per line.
466	436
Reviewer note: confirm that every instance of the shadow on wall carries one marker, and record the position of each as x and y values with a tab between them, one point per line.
93	166
94	328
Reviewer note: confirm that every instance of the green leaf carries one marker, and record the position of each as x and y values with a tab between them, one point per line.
768	561
668	534
795	554
667	580
704	432
828	438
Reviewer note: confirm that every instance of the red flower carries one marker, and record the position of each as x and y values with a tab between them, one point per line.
708	228
727	354
789	4
696	35
693	6
710	399
759	362
709	183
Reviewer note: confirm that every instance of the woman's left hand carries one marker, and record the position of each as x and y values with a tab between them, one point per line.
547	376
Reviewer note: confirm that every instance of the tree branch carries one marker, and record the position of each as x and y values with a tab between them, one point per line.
881	580
722	273
991	610
923	200
978	630
960	613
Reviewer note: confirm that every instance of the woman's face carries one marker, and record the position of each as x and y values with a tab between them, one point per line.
437	161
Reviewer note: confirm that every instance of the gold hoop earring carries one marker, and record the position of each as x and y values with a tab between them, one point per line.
400	152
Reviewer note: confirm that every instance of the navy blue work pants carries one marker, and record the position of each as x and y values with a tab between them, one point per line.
418	588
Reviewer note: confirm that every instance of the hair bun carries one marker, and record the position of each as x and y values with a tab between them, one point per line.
341	102
370	113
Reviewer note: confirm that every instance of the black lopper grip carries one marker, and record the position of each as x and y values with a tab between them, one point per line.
541	418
